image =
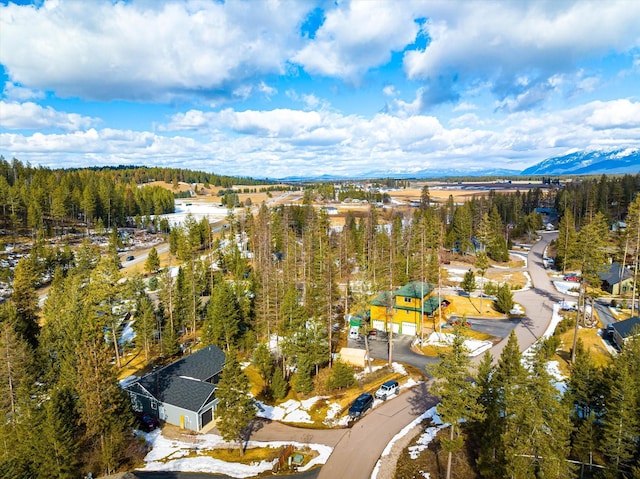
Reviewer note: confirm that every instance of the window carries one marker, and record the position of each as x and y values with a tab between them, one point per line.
407	300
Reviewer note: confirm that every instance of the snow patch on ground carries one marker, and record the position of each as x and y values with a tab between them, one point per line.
422	442
289	411
474	346
552	366
175	455
565	287
127	333
516	310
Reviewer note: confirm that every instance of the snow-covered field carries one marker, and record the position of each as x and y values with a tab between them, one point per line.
211	211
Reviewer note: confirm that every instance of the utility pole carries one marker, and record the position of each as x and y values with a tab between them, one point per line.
391	298
581	299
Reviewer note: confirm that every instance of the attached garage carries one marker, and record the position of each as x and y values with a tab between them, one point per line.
409	329
379	325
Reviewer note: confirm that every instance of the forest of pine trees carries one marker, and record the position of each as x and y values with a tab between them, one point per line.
60	362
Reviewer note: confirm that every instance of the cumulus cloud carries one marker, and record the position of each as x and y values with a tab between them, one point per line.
357	36
506	42
18	93
615	114
287	142
30	116
146	50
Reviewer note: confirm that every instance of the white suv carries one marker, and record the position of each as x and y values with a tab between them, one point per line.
387	389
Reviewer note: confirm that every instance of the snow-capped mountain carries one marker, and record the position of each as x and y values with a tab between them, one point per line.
589	163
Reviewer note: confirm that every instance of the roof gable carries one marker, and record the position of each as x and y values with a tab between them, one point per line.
612	275
624	328
202	365
414	289
184	383
186	393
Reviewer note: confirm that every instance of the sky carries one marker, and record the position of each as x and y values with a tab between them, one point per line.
280	88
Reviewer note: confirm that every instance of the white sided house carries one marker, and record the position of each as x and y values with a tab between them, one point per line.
182	393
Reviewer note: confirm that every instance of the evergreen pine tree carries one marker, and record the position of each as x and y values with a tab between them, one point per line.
263	362
302	381
236	408
152	263
25	301
458	396
486	432
468	282
279	387
222	326
59	443
482	264
145	324
504	299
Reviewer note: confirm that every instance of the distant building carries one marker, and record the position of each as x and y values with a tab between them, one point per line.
330	210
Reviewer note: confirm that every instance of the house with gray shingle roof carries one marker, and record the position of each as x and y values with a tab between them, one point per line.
623	331
182	393
616	280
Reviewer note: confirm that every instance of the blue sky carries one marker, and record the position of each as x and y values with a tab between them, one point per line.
270	88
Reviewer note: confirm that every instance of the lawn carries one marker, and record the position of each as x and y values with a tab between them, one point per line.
461	305
592	342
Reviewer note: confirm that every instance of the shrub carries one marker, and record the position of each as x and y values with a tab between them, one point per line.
490	288
342	376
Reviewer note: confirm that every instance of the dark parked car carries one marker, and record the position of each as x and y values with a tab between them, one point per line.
147	423
360	405
130	258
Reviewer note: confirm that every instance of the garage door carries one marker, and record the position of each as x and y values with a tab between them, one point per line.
409	329
207	416
379	325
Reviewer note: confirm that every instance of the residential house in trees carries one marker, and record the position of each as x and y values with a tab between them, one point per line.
182	393
623	331
616	280
403	309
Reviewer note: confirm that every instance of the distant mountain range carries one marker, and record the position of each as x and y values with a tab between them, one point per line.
613	162
589	163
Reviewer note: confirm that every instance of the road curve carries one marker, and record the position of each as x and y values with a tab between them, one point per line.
537	302
357	452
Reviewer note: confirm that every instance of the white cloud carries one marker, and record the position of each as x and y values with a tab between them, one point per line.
146	50
390	90
17	93
357	36
509	42
29	115
615	114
